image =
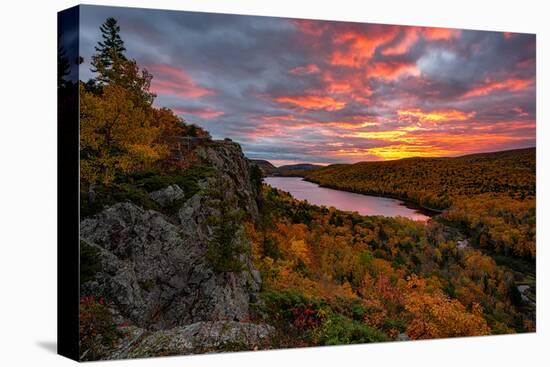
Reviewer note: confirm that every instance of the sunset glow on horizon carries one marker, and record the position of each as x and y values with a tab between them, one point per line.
294	91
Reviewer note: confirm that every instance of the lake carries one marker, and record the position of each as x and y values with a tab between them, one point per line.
343	200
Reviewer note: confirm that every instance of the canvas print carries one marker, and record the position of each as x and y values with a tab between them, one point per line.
252	183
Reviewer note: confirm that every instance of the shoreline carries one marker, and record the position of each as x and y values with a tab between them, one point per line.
431	212
409	204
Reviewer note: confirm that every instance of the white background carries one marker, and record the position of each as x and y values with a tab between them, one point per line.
28	182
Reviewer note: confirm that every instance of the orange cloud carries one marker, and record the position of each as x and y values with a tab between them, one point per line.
409	38
336	85
172	80
307	69
204	113
344	59
492	86
313	102
436	115
391	69
361	45
435	34
382	135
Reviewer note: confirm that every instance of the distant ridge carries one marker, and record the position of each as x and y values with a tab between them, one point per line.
296	170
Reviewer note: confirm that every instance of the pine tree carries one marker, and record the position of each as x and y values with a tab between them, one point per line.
63	66
109	51
227	241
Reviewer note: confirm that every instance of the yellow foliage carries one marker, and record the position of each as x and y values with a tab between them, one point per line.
116	136
434	315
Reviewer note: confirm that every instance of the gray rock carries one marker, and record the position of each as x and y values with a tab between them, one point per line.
156	272
229	161
167	195
198	337
403	337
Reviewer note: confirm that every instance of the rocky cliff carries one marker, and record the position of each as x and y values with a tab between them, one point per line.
153	267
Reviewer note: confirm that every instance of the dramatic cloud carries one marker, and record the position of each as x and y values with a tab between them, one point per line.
293	90
171	80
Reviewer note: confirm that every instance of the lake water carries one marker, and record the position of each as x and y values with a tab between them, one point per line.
343	200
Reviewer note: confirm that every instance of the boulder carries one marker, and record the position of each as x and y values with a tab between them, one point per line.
156	272
167	195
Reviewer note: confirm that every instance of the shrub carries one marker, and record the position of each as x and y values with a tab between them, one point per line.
115	193
187	180
279	306
98	332
307	316
339	329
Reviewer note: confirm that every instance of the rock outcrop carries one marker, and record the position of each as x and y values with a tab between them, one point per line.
154	267
228	160
167	195
200	336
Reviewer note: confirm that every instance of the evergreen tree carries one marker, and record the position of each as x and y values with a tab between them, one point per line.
109	51
227	241
63	66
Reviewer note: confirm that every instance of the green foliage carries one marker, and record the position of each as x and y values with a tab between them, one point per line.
334	324
227	241
109	50
97	329
339	330
89	262
365	258
278	306
116	193
135	187
256	176
187	179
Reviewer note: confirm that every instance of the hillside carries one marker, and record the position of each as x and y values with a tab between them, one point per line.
267	168
470	188
298	170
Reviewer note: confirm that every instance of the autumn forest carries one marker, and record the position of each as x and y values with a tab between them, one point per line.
180	234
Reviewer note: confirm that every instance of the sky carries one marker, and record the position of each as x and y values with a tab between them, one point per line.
294	90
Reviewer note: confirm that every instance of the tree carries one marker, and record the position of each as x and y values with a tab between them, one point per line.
227	241
109	52
63	67
434	315
116	135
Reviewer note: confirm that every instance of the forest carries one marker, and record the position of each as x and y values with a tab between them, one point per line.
327	277
335	277
490	195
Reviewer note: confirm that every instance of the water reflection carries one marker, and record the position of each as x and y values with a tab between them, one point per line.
343	200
